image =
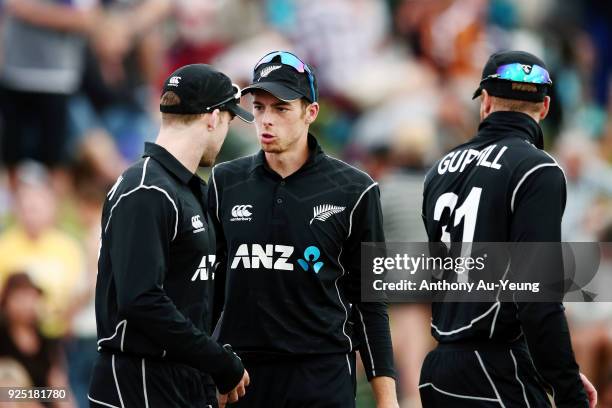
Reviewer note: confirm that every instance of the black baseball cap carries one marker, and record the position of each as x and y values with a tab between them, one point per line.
285	76
202	89
515	75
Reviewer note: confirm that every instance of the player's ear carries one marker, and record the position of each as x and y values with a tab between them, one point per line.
545	107
213	120
312	111
486	104
487	101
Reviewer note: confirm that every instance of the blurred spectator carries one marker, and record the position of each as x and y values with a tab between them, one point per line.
589	180
42	62
34	244
120	75
21	339
591	326
399	165
81	347
13	374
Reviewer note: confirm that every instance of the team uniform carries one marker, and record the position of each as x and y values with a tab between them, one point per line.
154	292
290	249
498	187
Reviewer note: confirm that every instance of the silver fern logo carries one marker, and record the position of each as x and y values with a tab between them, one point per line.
324	211
267	70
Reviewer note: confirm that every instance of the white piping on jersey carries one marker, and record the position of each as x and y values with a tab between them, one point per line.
342	303
216	194
113	189
557	163
456	395
116	382
522	180
499	308
144	171
494	319
100	402
144	384
474	320
142	186
348	363
124	322
518	379
355	206
489	378
367	342
123	335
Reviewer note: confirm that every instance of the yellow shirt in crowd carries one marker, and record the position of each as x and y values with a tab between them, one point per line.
54	261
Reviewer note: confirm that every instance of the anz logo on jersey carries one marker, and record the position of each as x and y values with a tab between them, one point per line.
458	160
206	270
275	257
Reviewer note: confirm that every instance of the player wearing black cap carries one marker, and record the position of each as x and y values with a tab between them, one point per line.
501	187
155	271
291	221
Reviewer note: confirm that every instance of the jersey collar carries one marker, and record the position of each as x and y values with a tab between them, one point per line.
503	123
314	155
169	162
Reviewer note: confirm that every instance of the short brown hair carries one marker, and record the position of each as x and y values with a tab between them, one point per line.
517	105
305	104
171	99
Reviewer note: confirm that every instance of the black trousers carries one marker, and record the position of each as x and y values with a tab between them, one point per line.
34	126
125	381
321	381
480	375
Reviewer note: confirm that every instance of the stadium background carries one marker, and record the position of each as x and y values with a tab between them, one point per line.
395	78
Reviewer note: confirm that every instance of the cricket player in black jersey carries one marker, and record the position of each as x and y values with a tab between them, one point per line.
501	187
155	272
291	221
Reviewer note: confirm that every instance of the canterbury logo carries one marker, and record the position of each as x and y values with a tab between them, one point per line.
267	70
241	213
197	224
324	211
174	81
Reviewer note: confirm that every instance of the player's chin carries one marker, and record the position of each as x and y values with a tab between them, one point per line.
271	148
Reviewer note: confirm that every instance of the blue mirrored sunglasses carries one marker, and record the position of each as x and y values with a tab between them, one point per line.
517	72
293	61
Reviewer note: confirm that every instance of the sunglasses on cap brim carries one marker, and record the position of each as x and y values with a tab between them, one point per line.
517	72
293	61
235	97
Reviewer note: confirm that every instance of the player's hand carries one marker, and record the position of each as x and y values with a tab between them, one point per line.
590	390
236	393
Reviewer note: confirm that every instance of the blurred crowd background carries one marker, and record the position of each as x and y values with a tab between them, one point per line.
79	88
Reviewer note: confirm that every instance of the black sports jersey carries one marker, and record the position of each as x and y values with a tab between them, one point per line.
155	277
501	187
291	250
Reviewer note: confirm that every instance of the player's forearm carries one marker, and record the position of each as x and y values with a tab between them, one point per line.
54	16
374	338
548	338
145	16
156	317
384	391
